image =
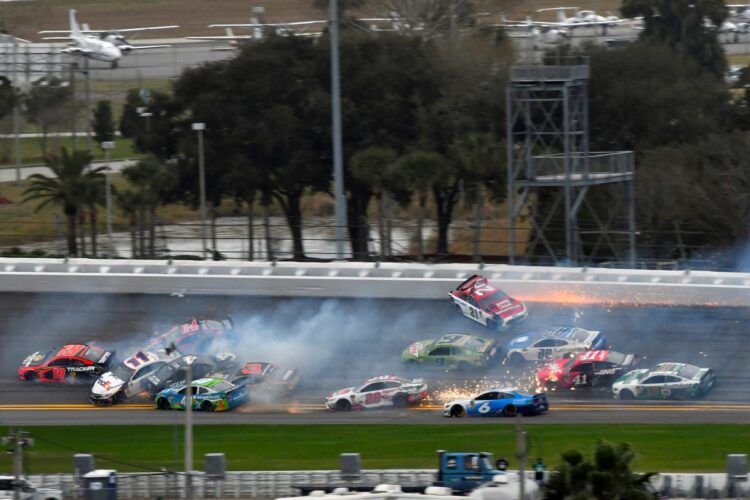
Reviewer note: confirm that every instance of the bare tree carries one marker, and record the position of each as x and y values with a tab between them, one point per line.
428	18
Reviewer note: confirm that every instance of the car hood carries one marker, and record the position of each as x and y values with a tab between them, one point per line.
107	385
342	392
417	349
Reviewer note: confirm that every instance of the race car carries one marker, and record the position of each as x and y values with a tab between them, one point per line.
192	337
453	351
69	363
665	381
209	394
202	366
268	377
505	402
587	369
385	390
129	377
493	308
554	342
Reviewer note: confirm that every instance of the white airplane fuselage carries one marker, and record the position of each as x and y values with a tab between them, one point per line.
98	49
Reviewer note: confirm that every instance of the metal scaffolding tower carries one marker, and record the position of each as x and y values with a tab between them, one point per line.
552	174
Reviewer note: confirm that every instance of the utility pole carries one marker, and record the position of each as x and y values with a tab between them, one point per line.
19	441
87	98
16	113
521	454
107	146
188	432
338	162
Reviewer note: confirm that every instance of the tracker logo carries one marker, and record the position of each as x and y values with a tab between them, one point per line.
82	368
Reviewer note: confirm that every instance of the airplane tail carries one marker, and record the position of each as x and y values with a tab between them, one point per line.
75	31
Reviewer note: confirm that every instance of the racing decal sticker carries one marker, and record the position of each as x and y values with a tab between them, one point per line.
416	348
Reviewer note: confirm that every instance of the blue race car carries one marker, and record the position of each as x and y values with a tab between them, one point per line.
554	342
505	402
209	394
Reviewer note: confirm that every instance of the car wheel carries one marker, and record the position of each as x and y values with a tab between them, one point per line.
31	376
510	411
458	309
493	324
163	404
207	406
343	405
399	401
551	386
626	395
457	411
517	360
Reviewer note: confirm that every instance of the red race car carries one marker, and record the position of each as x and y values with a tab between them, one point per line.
192	337
485	304
68	363
587	369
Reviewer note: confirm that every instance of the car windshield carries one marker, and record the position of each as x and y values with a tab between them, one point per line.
474	344
689	371
123	372
616	358
495	296
94	354
46	357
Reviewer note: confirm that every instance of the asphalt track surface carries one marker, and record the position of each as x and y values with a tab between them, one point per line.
338	343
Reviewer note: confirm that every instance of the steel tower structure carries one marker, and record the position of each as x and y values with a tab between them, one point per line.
551	174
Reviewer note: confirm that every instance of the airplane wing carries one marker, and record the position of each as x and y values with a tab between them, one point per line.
549	9
265	25
99	32
57	38
76	50
142	47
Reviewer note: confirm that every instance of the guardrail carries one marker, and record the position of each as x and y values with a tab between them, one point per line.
373	280
273	484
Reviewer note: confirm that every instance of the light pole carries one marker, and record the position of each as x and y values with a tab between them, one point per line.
107	146
338	163
189	432
200	127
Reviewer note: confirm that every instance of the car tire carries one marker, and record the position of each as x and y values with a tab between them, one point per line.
457	411
626	395
163	404
493	324
207	406
31	376
399	401
343	405
551	386
510	411
516	360
458	309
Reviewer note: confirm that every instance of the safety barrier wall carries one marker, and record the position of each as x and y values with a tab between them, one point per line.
374	280
273	484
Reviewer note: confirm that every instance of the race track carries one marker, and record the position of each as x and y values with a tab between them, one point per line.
338	343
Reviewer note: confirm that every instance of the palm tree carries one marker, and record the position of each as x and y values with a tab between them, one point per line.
423	168
65	188
129	201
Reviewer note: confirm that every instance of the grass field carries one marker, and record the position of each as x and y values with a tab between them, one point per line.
677	448
31	149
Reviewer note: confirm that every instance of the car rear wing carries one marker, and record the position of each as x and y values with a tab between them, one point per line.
465	285
708	375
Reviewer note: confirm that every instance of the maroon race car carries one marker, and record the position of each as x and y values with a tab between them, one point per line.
485	304
588	369
192	337
69	363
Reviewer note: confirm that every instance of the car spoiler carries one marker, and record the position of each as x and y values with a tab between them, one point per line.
708	374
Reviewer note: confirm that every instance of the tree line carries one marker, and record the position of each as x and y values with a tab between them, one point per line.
424	121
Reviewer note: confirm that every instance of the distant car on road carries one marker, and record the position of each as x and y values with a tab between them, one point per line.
129	377
385	390
208	394
665	381
552	343
588	369
453	351
69	363
505	402
475	298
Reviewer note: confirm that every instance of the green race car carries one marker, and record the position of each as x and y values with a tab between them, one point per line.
209	394
451	352
665	381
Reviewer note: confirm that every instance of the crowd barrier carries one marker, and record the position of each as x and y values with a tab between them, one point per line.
372	280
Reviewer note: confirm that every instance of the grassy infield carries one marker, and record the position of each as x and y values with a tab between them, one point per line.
266	447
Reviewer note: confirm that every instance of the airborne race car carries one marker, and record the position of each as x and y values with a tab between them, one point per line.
267	377
386	390
588	369
475	298
192	337
69	363
506	402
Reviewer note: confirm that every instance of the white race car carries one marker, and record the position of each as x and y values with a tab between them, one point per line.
129	377
386	390
554	342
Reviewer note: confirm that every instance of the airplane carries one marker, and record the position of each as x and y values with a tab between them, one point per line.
540	35
582	18
108	46
259	30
